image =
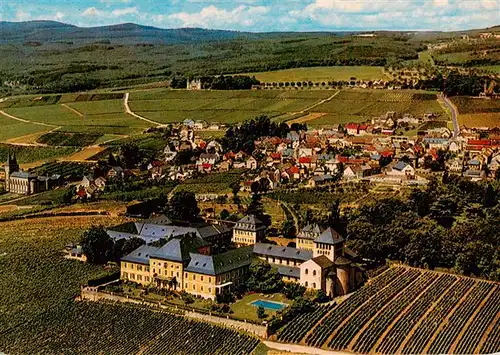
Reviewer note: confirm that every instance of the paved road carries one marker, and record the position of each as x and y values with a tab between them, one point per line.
454	115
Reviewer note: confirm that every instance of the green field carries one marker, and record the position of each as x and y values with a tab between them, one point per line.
38	313
168	106
362	105
33	154
96	117
320	74
11	128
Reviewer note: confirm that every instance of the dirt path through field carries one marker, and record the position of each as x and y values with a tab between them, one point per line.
74	110
300	349
3	113
84	154
470	320
320	102
447	319
486	334
359	309
431	308
129	111
310	117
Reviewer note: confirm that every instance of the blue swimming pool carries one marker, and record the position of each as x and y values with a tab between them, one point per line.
273	306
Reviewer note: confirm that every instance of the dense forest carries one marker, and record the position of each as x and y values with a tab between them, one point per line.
452	224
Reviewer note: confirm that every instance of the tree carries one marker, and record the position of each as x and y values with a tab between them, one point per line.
224	214
288	229
261	312
131	155
124	247
183	207
263	278
97	245
292	290
255	187
235	188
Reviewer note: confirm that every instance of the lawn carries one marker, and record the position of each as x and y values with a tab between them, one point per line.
244	310
320	74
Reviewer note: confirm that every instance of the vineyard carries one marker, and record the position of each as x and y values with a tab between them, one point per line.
68	170
38	313
406	311
362	105
475	112
68	139
93	328
220	106
33	154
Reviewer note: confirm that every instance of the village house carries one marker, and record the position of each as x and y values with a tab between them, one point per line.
248	231
328	266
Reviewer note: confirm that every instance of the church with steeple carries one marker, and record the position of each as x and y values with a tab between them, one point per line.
25	183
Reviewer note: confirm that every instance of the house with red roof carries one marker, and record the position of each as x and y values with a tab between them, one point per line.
352	129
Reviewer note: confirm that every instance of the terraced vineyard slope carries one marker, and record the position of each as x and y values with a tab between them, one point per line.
406	311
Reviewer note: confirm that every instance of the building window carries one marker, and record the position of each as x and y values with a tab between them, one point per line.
131	266
147	268
159	271
194	287
146	278
139	277
209	290
132	276
202	279
194	277
307	272
209	280
314	284
125	265
306	284
172	273
186	275
201	288
314	272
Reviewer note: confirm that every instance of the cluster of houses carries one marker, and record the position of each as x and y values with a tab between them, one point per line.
351	153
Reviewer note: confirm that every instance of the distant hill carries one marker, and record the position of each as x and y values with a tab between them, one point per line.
50	31
129	33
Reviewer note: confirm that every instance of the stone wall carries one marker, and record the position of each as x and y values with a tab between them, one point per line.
91	294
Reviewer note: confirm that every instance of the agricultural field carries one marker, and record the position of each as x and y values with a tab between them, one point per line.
320	74
33	154
68	139
51	322
12	129
90	328
168	106
476	112
406	311
78	113
211	184
65	169
362	105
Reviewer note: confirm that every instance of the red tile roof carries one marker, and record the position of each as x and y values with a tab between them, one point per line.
305	160
483	142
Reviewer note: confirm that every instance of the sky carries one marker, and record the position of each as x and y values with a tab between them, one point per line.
264	15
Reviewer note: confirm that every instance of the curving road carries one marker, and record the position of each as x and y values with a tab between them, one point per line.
454	114
129	111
